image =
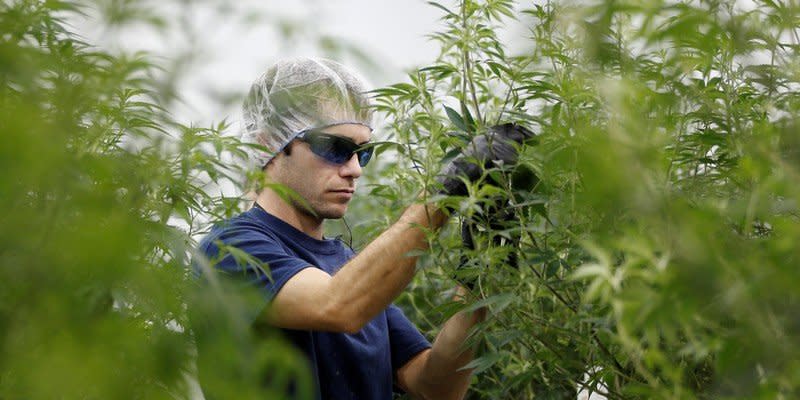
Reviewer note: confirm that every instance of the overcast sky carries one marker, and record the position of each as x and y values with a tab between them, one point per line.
239	40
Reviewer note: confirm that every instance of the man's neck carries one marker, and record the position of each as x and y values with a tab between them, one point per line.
301	220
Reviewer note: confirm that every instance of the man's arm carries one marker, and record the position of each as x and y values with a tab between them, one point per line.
362	288
436	373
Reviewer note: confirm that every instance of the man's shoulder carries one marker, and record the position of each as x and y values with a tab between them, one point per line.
238	228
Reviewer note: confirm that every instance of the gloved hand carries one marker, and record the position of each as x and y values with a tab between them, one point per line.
500	218
497	145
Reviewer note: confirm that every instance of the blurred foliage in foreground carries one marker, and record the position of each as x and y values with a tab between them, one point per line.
657	252
96	179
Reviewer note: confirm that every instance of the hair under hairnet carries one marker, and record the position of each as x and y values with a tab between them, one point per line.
300	94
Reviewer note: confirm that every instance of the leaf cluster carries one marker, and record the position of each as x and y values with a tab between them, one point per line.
102	196
655	215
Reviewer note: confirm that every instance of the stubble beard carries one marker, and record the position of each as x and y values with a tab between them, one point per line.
318	212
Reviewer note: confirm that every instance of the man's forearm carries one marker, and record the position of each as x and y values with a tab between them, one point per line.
376	276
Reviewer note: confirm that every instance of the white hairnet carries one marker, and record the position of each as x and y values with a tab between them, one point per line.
300	94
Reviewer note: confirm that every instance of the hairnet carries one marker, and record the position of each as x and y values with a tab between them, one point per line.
298	94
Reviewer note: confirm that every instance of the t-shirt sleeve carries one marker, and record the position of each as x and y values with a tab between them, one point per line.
257	260
405	339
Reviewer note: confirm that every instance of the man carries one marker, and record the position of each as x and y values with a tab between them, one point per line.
335	306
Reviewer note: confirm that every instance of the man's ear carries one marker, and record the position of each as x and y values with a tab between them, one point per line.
279	158
288	149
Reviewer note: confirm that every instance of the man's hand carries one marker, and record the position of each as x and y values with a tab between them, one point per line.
497	146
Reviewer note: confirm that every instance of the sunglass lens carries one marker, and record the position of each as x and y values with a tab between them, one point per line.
364	156
325	147
342	149
336	149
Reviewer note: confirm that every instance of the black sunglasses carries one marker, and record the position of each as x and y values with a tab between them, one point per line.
336	149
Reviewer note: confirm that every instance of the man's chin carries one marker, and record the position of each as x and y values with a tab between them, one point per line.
337	213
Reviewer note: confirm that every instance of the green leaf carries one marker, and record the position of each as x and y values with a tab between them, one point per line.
443	8
469	122
455	118
483	362
496	303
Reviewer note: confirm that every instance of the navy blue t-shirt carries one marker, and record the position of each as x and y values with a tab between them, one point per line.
346	366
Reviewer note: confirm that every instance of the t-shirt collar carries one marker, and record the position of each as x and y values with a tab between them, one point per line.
324	246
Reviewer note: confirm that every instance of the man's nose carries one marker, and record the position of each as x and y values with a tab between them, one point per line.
351	168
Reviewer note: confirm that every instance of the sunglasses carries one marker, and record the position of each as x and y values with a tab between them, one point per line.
336	149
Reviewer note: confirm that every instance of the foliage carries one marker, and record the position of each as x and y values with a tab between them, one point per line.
651	254
656	215
102	192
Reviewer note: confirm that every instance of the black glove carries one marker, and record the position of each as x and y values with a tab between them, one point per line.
497	145
499	220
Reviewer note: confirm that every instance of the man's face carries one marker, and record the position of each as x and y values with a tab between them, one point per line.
327	187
